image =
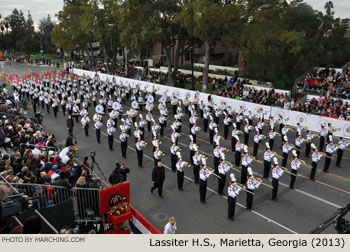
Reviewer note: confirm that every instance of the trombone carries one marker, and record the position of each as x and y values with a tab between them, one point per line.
261	181
304	163
277	155
326	156
258	161
203	156
294	147
244	188
278	134
225	150
213	172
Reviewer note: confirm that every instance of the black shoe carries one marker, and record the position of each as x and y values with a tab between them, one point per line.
249	209
161	196
231	218
312	179
181	190
173	170
326	171
291	187
141	166
196	182
151	190
204	202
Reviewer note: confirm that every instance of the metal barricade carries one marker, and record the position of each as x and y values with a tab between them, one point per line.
86	204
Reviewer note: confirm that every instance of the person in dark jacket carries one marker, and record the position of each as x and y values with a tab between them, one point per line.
70	125
124	171
69	141
158	177
116	177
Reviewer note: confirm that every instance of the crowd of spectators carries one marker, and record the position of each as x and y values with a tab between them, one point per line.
327	82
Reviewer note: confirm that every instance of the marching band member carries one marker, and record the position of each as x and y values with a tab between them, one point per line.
204	174
285	149
55	106
250	118
323	135
232	191
174	135
206	116
157	155
295	165
239	119
123	142
110	132
180	164
238	154
212	127
246	161
98	125
281	122
247	129
114	114
140	145
234	135
76	111
341	146
272	124
316	156
196	164
192	120
85	122
330	149
129	122
201	108
223	168
257	140
309	138
137	132
285	130
142	124
252	184
149	119
227	121
194	131
277	172
330	131
260	125
272	136
216	137
155	141
162	123
268	156
191	147
217	114
174	101
174	149
298	142
195	102
217	154
155	127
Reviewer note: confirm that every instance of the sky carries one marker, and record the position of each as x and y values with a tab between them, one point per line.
41	8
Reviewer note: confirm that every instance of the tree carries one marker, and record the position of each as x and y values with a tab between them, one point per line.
46	26
205	20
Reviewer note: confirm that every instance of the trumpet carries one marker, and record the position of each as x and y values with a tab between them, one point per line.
144	142
163	153
160	141
180	149
278	134
336	129
316	135
291	130
204	156
240	132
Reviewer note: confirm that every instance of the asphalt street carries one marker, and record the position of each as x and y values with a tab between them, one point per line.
297	211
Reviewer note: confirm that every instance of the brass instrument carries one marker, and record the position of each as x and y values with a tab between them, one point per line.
131	113
244	188
336	129
261	181
258	161
240	132
114	117
187	164
316	135
277	155
291	130
225	150
144	142
304	164
85	123
204	156
163	153
278	134
180	149
294	147
150	107
326	156
160	141
174	103
213	172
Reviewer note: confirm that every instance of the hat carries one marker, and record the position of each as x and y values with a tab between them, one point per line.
234	125
172	219
232	177
256	129
178	154
275	161
191	138
250	171
267	145
285	138
313	146
330	138
222	155
51	152
246	119
294	153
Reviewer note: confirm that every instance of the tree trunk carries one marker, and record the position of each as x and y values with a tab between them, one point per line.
206	66
168	57
93	65
178	53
